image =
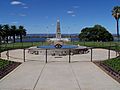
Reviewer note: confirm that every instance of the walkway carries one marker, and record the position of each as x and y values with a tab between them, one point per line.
78	75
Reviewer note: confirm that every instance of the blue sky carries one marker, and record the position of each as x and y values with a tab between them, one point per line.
40	16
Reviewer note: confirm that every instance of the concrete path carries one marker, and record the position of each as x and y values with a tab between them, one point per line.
35	75
59	75
91	77
24	77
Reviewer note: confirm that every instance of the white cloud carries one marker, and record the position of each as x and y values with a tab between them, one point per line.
18	14
70	12
17	3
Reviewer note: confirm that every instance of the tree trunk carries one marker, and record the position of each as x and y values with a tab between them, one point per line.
118	29
7	39
14	38
20	38
0	45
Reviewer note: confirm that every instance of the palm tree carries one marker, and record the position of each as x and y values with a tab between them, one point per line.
22	32
13	32
116	15
6	29
1	33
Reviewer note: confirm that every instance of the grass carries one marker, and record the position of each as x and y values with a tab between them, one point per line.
10	46
114	45
113	63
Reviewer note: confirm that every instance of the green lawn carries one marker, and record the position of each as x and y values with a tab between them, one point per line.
10	46
113	63
114	45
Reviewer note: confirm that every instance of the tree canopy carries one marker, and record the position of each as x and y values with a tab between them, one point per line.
8	32
116	12
96	33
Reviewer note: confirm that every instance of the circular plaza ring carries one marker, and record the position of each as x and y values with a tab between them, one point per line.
60	51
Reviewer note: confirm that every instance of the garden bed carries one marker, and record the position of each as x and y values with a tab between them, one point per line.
7	66
111	67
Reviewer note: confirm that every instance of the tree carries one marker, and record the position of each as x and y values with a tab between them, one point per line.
22	32
6	29
116	15
84	34
13	30
96	33
1	33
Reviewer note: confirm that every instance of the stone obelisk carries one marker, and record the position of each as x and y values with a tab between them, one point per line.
58	32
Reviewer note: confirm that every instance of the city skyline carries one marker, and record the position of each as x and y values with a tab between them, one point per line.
40	16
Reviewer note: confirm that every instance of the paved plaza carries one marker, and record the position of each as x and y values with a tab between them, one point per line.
58	73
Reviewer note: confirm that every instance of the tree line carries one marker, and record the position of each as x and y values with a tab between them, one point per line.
8	32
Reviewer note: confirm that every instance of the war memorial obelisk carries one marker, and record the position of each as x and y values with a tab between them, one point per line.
58	32
58	37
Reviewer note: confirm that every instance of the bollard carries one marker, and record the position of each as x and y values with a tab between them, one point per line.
109	53
69	55
24	55
116	49
46	55
91	54
7	54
